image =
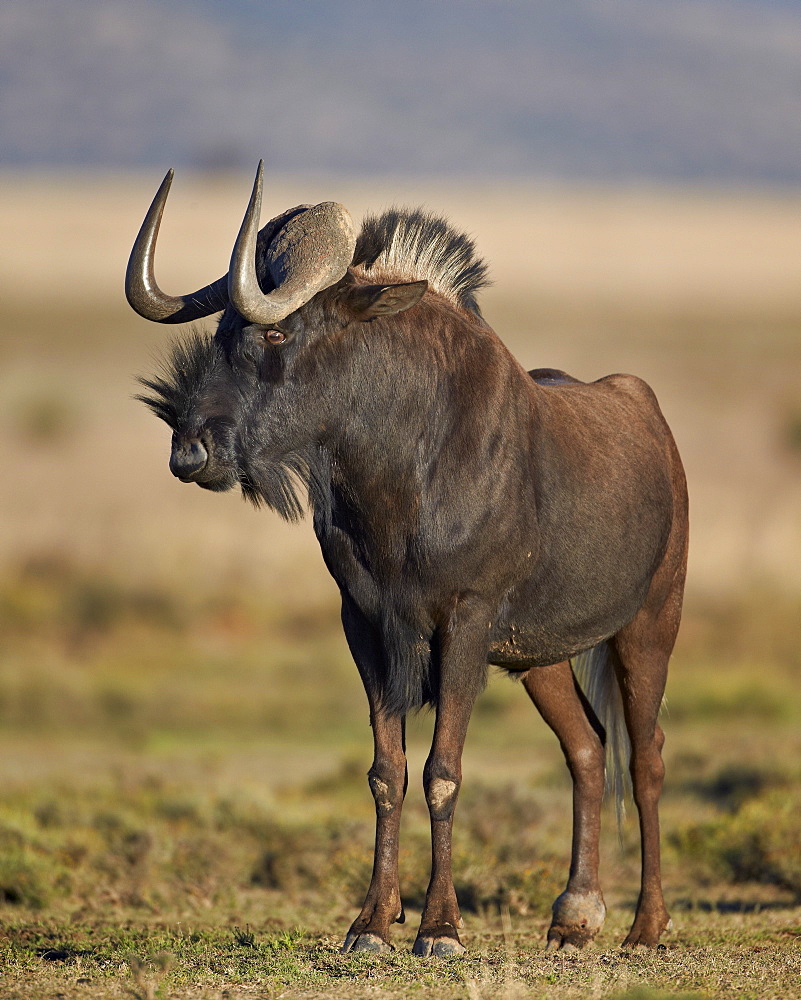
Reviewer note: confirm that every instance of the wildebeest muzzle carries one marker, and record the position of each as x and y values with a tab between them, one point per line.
188	458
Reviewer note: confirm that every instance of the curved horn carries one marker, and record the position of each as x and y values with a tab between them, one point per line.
312	251
141	290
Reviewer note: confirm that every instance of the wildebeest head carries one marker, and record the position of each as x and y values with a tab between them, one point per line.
273	272
245	405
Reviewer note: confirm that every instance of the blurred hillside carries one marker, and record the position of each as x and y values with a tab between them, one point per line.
702	90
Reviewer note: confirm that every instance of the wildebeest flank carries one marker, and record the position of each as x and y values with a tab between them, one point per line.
470	513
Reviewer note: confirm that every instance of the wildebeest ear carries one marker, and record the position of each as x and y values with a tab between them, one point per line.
367	301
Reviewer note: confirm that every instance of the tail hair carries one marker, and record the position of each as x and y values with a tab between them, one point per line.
594	670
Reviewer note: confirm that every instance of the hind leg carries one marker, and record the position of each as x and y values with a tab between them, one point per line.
579	912
643	648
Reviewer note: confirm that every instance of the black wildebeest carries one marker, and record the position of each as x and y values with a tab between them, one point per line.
470	512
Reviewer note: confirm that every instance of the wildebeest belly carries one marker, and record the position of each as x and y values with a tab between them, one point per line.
576	597
536	642
535	629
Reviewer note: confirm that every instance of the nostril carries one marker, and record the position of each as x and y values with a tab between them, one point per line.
188	457
198	451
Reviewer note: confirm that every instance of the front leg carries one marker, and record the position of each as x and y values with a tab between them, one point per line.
388	779
382	905
462	668
438	934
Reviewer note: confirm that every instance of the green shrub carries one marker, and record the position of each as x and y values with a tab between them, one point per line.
25	878
761	842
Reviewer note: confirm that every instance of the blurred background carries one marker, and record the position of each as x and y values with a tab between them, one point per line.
632	173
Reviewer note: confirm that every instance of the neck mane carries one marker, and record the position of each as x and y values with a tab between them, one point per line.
413	245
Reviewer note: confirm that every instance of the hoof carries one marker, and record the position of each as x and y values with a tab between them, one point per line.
646	933
577	918
367	942
561	944
443	940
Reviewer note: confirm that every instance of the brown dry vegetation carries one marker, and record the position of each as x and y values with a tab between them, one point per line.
182	798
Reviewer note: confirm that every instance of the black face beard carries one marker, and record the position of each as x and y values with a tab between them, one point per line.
192	367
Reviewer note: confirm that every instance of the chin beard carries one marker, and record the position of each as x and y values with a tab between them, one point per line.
219	485
288	486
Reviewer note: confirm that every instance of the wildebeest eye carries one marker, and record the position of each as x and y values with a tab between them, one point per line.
274	336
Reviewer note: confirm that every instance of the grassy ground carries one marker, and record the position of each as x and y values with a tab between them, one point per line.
184	808
184	741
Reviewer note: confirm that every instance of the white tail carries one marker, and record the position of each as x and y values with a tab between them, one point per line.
595	672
